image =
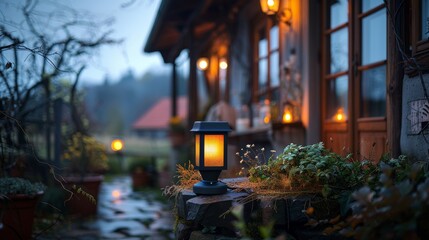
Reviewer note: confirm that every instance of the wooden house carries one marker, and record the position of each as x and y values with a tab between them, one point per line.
353	74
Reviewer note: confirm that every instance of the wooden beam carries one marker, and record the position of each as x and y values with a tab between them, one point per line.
174	90
395	75
187	31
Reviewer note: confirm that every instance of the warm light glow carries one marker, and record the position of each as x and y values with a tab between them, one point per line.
214	150
117	145
223	64
116	194
287	117
267	119
339	115
197	150
270	7
202	63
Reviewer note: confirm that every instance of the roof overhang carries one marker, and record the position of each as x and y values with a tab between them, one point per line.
177	21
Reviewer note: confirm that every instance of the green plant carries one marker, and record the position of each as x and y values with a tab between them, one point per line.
84	154
396	209
311	167
15	186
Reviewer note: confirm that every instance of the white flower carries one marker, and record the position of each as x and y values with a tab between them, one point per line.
262	149
248	145
273	151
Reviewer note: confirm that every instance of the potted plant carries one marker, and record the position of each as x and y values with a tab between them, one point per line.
85	161
143	172
18	199
176	132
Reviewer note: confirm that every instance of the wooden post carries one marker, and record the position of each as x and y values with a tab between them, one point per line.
395	75
174	91
192	85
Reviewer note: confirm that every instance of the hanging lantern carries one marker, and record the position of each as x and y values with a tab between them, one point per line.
210	155
203	63
270	7
223	64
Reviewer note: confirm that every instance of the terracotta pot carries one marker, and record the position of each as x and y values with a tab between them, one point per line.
81	205
18	216
140	178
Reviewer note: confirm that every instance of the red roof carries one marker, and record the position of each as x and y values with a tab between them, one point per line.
159	115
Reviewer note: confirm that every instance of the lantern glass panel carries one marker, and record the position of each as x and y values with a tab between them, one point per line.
197	150
213	150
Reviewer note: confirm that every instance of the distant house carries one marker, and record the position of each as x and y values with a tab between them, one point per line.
154	122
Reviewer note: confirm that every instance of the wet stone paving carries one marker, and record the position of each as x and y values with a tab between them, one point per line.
124	214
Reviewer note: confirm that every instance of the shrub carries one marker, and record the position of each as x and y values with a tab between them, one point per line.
14	186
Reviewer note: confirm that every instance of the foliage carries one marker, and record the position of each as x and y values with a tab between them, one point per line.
176	125
250	230
396	209
187	177
14	186
311	168
84	153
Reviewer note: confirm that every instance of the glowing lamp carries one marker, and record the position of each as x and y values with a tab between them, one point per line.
210	155
287	117
291	113
203	63
340	115
270	7
117	145
223	64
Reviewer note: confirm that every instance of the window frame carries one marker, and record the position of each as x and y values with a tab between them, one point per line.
264	23
420	48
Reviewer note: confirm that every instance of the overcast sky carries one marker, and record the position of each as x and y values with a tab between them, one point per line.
133	22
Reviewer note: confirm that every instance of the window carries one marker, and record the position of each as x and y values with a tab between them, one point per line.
354	77
420	31
267	62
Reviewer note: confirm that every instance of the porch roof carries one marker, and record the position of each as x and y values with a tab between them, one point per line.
176	21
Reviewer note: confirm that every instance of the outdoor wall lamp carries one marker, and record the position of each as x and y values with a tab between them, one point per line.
211	140
203	63
223	64
275	7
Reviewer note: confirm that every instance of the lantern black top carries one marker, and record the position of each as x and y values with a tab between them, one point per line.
200	126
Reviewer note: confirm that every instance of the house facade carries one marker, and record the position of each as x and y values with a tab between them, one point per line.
353	74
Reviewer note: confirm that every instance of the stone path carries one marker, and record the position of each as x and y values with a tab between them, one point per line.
122	214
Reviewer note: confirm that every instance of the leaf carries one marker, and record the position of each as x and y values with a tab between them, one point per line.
311	167
405	187
8	65
364	195
344	202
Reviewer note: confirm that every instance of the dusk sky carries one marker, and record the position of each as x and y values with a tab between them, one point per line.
133	22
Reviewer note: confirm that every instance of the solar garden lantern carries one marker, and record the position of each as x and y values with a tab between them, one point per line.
210	155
